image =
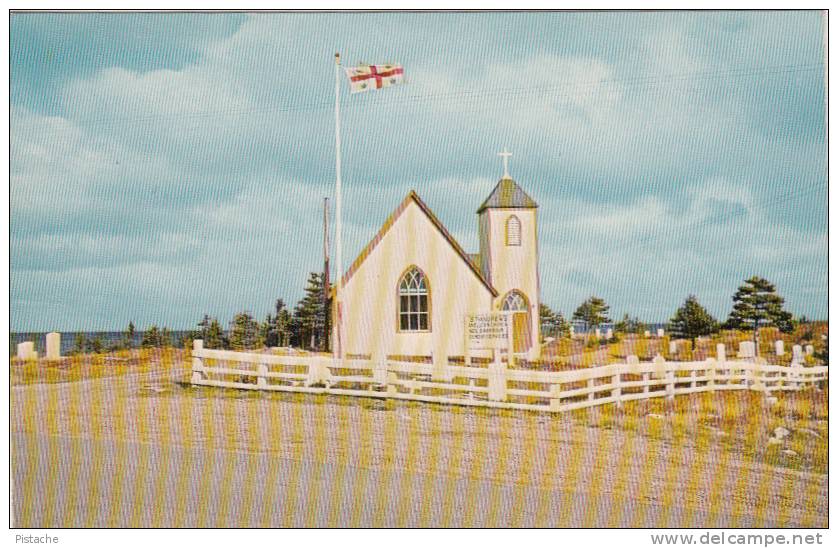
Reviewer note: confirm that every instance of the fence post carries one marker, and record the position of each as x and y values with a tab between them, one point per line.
710	373
379	370
665	371
555	397
617	391
262	380
392	378
670	384
318	372
197	364
757	376
794	374
440	371
497	380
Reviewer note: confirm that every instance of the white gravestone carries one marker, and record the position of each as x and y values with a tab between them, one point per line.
810	349
572	332
746	349
720	353
673	347
26	351
646	334
53	346
797	353
609	334
660	333
779	347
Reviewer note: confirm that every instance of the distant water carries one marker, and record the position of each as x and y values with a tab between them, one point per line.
68	339
579	327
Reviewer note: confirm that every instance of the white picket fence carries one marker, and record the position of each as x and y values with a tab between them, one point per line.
495	385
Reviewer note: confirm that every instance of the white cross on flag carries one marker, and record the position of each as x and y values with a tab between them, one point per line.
367	77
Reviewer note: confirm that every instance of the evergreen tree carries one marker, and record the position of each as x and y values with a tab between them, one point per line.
211	333
756	304
204	325
553	324
80	344
214	336
151	337
692	320
267	330
309	317
96	344
281	324
283	327
629	325
593	313
245	332
128	338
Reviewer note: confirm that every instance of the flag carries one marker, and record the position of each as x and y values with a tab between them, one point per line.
367	77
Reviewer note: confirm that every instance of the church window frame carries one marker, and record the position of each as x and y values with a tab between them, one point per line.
515	298
513	231
413	301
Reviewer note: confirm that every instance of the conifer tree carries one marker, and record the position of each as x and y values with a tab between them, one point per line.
757	304
151	337
128	341
692	320
593	312
244	332
553	324
309	314
629	325
80	343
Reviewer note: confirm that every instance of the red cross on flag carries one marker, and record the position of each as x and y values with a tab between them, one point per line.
367	77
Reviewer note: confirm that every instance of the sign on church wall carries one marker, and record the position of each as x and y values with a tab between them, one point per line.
488	330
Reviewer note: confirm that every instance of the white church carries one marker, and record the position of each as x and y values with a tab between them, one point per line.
411	288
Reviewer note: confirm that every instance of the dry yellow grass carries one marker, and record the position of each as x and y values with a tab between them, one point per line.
80	367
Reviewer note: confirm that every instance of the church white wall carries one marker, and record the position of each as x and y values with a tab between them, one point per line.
514	267
370	297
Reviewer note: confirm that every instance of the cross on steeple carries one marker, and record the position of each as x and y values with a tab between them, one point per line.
505	155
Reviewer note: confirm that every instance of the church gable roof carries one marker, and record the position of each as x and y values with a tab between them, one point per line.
507	194
391	220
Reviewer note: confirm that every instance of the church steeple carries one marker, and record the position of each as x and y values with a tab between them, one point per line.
507	194
509	256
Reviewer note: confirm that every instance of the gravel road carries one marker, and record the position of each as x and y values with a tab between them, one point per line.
144	451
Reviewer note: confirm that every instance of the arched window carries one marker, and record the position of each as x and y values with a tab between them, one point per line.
513	231
517	304
414	302
514	300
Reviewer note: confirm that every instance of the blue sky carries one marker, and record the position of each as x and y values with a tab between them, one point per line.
164	166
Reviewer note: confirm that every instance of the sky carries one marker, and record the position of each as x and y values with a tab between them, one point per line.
164	166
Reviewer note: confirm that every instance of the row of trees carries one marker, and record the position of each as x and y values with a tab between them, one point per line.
152	337
305	326
756	304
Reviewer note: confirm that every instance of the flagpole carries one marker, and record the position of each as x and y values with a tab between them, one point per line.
339	343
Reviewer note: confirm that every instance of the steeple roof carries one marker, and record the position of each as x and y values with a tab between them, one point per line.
507	194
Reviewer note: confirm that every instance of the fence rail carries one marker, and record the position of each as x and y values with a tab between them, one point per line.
495	385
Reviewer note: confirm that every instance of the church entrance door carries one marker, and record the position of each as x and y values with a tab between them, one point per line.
517	303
